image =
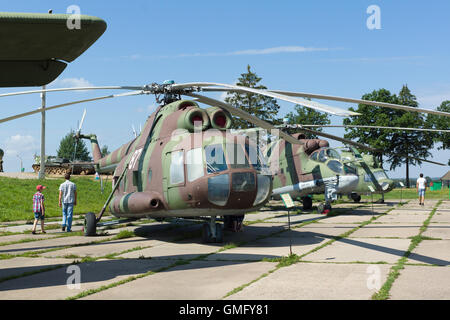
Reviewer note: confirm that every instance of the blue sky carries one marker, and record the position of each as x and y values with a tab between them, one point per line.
152	41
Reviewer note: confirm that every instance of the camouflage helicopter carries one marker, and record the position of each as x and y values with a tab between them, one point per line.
372	177
184	163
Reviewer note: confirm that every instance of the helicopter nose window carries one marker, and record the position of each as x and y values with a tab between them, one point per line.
243	181
219	189
263	188
334	165
314	156
333	154
236	156
194	164
349	169
322	156
215	158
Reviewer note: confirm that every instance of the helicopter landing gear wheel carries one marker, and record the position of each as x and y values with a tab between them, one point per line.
355	197
321	208
212	232
307	203
90	224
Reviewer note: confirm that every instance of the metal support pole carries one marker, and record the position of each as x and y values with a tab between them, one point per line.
290	240
112	193
42	167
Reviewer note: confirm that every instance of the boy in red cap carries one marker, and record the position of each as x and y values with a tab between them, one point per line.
38	209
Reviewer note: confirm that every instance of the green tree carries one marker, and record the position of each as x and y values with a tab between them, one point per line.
304	115
441	123
399	146
67	148
265	108
104	151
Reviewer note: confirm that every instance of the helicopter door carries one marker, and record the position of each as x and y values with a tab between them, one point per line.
174	178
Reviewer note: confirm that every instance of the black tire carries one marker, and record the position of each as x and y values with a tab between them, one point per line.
90	224
356	197
307	203
219	233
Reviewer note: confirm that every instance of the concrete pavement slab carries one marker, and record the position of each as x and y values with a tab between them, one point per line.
402	218
56	243
305	281
387	231
295	218
196	280
262	215
272	247
102	249
173	251
361	250
438	230
54	284
24	236
441	217
323	229
436	252
348	218
408	211
252	232
20	265
422	283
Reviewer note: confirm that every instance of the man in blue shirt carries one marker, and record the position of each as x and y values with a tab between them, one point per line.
67	199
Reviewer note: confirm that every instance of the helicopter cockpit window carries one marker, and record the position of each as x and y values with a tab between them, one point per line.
194	164
215	158
333	154
236	156
380	175
314	156
322	156
256	158
334	165
350	169
177	167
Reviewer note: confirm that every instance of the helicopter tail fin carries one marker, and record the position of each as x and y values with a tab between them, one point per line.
96	153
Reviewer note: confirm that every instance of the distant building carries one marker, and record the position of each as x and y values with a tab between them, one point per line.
446	179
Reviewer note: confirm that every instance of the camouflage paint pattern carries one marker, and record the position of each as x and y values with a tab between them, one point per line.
297	174
146	189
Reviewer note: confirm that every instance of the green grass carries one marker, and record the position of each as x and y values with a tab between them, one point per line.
16	197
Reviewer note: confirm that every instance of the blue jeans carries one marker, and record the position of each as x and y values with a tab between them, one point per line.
67	213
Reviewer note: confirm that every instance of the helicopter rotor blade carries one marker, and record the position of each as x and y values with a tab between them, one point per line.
371	127
72	89
82	120
21	115
366	102
333	137
244	115
307	103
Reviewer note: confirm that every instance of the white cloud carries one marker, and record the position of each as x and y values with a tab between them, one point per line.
433	97
19	144
265	51
71	83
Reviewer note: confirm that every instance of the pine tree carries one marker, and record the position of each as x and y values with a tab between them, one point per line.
304	115
265	108
67	148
